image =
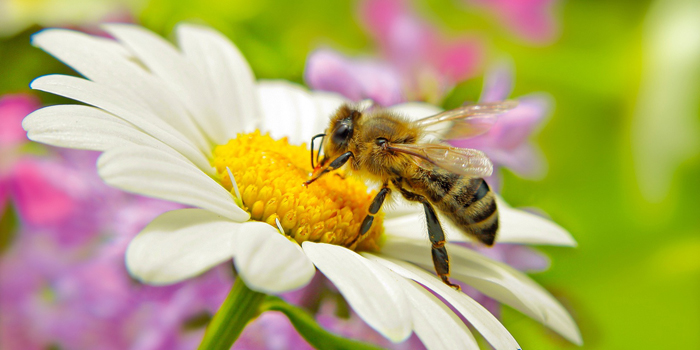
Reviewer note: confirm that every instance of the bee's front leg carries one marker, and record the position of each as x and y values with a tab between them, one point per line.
335	164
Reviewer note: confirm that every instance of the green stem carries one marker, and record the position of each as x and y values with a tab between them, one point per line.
241	306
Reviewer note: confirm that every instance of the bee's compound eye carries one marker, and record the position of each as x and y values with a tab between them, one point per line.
342	134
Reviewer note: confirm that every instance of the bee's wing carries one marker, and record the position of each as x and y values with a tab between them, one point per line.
466	121
462	161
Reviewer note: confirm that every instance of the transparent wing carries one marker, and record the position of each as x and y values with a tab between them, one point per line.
466	121
462	161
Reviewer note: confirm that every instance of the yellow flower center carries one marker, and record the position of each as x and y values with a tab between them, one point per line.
270	173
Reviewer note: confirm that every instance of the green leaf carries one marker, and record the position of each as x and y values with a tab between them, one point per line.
306	325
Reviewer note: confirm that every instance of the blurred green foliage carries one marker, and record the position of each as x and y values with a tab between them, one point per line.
634	280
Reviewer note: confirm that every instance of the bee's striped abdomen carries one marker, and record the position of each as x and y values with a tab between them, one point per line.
474	209
468	202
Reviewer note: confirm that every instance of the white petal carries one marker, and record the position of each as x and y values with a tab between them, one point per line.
84	127
231	81
493	278
400	207
167	63
409	226
327	103
519	226
370	289
291	110
415	110
435	324
59	42
108	63
407	219
154	173
418	110
180	244
492	330
108	99
269	262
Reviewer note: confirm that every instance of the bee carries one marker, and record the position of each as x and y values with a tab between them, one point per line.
389	149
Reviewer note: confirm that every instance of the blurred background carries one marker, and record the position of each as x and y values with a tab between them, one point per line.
621	144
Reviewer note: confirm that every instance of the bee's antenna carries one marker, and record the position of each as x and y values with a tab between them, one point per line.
319	149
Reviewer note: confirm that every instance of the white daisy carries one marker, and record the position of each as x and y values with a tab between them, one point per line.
164	115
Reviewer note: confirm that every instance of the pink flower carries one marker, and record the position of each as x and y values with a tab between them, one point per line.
38	200
418	61
13	108
411	43
532	20
26	181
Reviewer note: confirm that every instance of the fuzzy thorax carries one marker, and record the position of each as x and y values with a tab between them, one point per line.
269	174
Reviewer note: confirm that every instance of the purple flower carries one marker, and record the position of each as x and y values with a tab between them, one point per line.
81	296
507	142
356	79
62	279
532	20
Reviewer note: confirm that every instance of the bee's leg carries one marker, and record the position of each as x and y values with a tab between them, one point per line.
335	164
373	209
441	260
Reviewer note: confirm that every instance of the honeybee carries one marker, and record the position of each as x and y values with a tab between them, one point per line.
388	148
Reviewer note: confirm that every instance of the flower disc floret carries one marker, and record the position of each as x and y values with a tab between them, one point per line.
270	174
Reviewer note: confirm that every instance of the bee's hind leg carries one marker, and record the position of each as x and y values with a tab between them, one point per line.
441	260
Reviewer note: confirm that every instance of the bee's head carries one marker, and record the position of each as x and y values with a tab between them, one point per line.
339	132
